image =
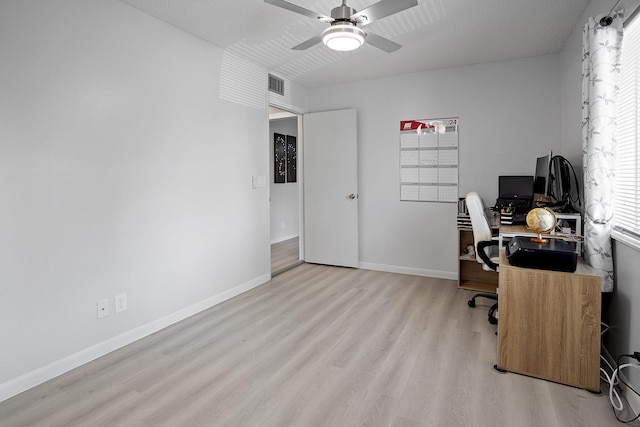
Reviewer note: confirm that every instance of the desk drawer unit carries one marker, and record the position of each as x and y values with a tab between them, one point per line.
549	325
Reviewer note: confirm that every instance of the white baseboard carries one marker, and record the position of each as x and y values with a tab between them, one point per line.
38	376
409	270
283	238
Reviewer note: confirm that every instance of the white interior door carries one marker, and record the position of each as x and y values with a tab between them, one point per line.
330	170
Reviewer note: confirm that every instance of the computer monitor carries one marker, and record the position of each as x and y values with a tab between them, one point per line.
515	187
542	180
560	188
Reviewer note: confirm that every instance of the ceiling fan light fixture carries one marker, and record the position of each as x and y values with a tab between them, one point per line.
343	37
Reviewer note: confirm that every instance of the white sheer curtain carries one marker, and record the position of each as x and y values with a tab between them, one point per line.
601	48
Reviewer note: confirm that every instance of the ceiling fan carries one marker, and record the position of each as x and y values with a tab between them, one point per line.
345	32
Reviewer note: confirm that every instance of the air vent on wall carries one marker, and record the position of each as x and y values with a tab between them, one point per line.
276	85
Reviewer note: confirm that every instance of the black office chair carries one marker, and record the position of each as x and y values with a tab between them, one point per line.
486	249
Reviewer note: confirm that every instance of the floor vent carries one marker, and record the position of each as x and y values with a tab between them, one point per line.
276	85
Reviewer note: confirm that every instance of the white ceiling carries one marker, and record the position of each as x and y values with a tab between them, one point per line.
435	34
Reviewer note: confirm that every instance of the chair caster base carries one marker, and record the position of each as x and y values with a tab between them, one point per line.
471	303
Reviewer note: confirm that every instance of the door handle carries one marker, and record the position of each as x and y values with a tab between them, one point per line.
352	196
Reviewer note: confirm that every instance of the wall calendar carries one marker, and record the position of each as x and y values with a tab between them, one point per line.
429	160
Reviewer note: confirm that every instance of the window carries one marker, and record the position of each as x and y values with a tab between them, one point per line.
627	208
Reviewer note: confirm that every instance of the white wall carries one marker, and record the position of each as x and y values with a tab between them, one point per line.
295	98
571	90
622	310
509	113
121	170
285	205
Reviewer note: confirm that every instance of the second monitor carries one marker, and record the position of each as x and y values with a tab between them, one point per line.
542	180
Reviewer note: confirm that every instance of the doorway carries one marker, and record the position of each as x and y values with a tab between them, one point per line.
284	200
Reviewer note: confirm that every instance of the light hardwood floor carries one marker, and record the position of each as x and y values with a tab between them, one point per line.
284	254
316	346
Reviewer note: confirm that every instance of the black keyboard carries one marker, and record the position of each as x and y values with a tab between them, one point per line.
518	204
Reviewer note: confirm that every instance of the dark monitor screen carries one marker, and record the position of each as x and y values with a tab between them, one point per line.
541	181
515	187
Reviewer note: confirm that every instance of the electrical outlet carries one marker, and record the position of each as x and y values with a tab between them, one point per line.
120	302
103	308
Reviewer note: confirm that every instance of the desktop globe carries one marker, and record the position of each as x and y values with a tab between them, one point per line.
541	220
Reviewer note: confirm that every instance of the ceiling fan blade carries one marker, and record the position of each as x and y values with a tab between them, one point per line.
298	9
382	42
311	42
381	10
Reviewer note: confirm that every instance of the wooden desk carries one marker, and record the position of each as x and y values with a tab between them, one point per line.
549	324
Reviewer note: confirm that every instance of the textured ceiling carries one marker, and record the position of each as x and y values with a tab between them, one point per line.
435	34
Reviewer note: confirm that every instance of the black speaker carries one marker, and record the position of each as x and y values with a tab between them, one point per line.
555	255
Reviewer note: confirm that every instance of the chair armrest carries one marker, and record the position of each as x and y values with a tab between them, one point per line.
483	255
